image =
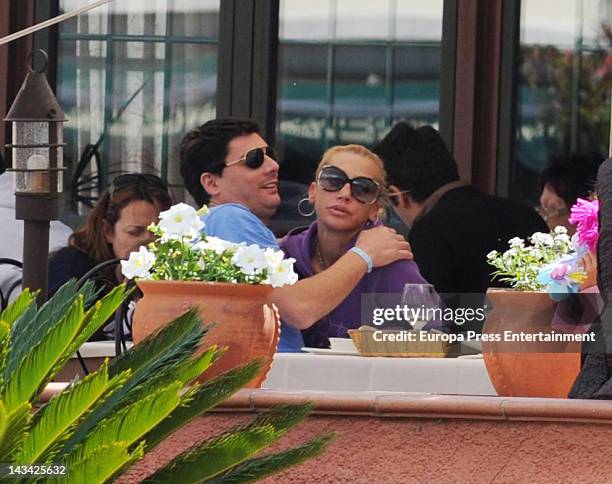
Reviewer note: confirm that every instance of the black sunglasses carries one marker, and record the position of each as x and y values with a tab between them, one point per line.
254	158
364	189
136	179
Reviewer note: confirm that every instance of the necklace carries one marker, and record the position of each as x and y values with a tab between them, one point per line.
320	257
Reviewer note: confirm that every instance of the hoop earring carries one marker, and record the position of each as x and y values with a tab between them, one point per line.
300	209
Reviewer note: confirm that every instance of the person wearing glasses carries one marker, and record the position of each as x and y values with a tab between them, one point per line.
227	164
348	198
453	225
564	180
116	226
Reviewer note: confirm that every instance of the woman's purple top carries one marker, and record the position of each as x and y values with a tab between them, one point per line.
387	279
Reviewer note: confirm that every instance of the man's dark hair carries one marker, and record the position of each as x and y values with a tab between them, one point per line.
572	176
204	150
417	160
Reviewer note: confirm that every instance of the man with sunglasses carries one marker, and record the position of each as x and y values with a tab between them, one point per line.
453	226
226	164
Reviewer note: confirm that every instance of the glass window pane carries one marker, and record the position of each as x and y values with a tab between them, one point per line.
305	20
418	20
363	19
193	83
350	85
94	21
139	17
416	84
199	18
564	87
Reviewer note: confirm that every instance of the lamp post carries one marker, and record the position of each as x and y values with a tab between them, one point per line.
37	161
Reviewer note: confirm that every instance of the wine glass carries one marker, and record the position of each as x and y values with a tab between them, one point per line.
419	301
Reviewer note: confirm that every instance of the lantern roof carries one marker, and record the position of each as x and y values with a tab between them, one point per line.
35	101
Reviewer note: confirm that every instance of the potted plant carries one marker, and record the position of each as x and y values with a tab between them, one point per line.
95	429
228	283
539	271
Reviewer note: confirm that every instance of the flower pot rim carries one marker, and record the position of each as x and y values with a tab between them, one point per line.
264	288
512	290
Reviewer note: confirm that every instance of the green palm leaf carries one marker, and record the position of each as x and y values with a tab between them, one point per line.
216	456
13	429
54	422
150	349
99	313
184	370
261	467
34	369
18	306
101	465
202	398
5	338
34	324
95	317
219	454
152	357
132	422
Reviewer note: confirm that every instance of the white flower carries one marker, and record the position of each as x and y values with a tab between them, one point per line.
492	254
138	264
516	242
217	245
509	253
201	263
560	229
541	239
282	273
250	259
536	254
562	239
180	221
274	256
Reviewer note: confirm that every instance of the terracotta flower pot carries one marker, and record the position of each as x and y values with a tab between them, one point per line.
528	369
243	322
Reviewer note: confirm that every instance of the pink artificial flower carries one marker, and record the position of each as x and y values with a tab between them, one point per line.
584	216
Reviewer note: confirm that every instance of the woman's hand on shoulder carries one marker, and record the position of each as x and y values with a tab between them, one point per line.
384	245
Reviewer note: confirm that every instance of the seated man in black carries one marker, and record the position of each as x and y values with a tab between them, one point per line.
453	226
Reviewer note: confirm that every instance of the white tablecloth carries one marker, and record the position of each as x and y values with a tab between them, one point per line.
304	371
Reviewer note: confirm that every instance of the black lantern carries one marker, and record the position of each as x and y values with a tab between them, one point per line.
36	152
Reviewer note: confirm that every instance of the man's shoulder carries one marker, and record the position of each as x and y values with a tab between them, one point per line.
236	223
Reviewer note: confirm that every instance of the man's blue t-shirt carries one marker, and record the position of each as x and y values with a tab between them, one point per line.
237	223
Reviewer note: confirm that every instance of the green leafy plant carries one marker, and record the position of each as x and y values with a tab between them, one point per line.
99	426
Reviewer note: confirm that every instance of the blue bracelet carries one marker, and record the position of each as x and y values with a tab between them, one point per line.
364	255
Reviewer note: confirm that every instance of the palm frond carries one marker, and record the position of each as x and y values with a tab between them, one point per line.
145	365
18	306
211	458
14	429
158	343
34	370
203	398
99	314
53	422
95	317
34	324
133	422
101	465
5	338
215	456
184	370
258	468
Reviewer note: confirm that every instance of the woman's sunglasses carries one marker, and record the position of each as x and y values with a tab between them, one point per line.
364	189
136	179
254	158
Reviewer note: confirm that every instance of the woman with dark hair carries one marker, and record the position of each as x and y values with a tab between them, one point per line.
116	226
566	179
